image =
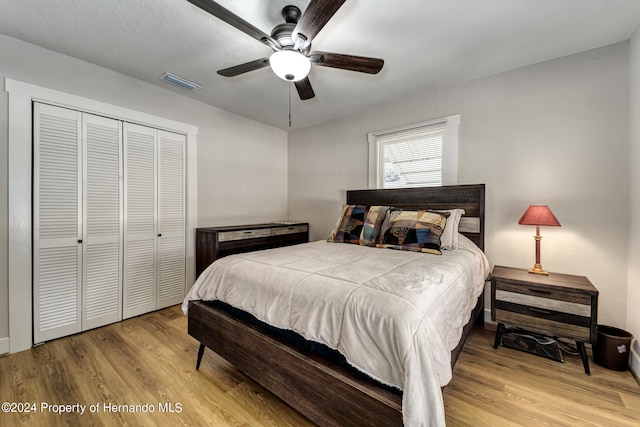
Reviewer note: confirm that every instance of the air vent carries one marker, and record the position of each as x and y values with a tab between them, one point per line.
179	81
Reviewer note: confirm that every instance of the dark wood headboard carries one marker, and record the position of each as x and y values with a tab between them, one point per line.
467	197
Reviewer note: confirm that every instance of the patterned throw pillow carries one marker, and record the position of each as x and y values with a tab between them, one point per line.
372	223
349	226
418	231
359	224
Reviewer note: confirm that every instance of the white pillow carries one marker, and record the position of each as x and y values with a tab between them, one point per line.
449	237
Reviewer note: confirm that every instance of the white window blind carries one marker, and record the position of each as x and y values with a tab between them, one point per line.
412	157
418	155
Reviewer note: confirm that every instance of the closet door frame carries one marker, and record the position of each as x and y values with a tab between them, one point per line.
20	125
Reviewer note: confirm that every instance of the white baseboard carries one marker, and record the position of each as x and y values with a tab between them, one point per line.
634	364
4	345
487	315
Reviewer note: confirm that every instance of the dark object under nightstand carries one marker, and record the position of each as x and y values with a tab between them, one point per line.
557	305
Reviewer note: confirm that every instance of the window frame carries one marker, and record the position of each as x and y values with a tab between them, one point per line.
449	150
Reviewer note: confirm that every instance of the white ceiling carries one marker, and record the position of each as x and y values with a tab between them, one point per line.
426	44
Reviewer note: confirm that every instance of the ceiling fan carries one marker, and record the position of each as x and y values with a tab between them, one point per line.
291	43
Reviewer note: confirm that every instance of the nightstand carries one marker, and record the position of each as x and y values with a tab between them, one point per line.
557	305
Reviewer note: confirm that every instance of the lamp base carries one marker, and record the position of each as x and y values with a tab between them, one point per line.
537	269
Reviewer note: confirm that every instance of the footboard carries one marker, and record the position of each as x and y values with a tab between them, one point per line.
324	392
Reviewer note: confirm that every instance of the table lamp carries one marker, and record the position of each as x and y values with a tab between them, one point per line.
538	215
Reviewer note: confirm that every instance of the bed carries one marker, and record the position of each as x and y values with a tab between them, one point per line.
305	353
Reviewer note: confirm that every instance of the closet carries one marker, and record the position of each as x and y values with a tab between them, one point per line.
154	213
108	220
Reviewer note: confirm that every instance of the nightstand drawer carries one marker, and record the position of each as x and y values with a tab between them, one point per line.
552	324
544	303
244	234
550	312
544	292
290	230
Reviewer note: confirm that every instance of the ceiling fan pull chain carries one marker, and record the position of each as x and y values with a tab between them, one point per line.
290	83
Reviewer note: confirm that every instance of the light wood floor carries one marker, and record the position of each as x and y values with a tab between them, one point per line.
150	360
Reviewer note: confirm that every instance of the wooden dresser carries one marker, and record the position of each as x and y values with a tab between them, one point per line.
215	242
557	305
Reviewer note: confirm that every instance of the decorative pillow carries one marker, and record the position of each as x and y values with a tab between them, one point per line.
372	223
418	231
349	226
359	224
449	238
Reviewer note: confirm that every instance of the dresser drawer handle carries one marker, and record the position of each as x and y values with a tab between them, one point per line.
538	310
247	232
540	291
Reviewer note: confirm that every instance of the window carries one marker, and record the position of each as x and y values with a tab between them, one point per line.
418	155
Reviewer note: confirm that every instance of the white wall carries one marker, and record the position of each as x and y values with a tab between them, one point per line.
633	291
553	133
242	174
235	155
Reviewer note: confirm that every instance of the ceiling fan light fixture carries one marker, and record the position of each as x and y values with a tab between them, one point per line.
290	65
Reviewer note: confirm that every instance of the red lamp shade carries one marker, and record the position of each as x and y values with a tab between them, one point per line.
538	215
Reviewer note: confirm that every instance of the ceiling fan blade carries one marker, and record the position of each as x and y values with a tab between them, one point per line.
305	91
361	64
314	18
244	68
234	20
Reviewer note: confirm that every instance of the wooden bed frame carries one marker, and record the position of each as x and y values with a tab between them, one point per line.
324	391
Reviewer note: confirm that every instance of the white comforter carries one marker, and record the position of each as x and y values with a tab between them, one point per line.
395	315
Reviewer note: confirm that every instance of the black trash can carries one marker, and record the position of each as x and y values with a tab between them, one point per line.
612	349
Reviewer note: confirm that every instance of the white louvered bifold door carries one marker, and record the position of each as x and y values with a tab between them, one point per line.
102	290
108	220
171	219
57	227
139	287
